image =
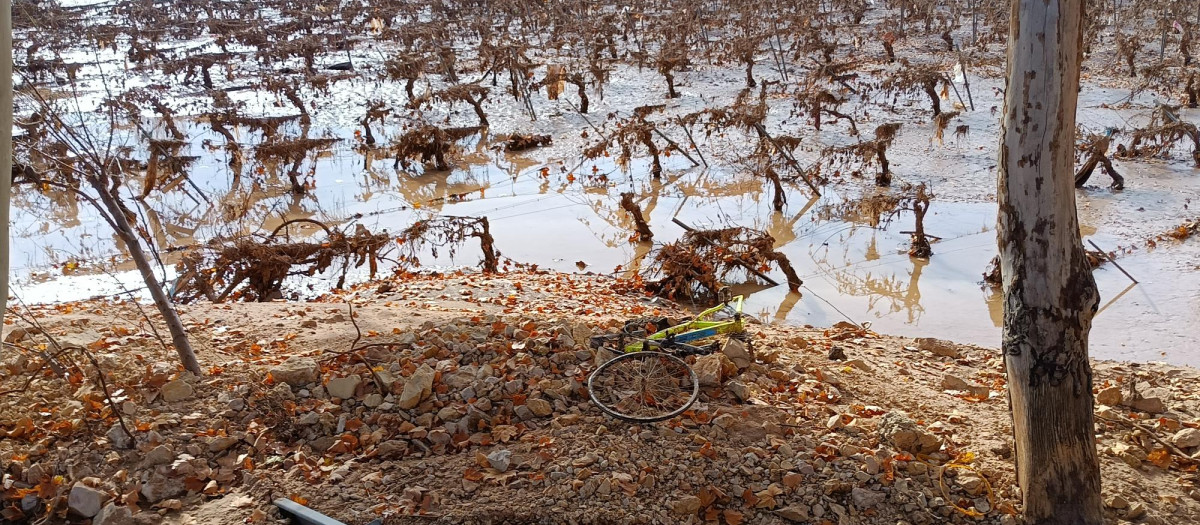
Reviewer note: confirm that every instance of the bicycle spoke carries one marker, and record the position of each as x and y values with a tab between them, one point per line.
643	386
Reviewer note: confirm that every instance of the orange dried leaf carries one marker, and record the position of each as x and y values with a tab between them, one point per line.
1160	458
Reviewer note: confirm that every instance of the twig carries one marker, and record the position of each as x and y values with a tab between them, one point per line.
676	146
691	139
1114	263
962	63
1175	450
956	93
356	350
32	375
762	131
931	236
104	388
58	368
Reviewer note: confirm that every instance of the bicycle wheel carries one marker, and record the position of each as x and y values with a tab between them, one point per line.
644	387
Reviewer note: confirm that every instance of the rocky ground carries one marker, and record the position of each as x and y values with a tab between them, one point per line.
461	399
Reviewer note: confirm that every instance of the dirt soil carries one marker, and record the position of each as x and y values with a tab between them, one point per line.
466	403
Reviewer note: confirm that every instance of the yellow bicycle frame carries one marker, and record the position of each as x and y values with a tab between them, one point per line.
701	327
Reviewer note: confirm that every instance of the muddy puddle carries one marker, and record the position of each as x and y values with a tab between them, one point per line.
550	214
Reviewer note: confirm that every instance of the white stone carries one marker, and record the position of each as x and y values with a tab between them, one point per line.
221	444
176	390
160	487
540	407
937	347
1187	438
417	388
739	389
736	351
500	459
708	370
343	387
373	400
295	371
160	455
112	514
118	438
85	501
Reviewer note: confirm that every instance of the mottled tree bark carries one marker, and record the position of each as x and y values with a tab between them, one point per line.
6	119
1050	296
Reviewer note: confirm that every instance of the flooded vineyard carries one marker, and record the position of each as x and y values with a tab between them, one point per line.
382	131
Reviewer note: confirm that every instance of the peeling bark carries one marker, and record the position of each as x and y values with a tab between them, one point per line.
1050	296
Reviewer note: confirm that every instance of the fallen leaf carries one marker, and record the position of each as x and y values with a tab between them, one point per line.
1160	458
732	517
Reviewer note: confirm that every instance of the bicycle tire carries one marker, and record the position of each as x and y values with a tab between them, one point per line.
677	385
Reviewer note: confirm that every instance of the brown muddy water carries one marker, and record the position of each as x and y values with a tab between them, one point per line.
544	213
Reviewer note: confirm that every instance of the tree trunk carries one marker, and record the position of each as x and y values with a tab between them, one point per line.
974	21
1050	296
477	105
639	220
6	118
133	243
884	177
487	243
583	98
935	102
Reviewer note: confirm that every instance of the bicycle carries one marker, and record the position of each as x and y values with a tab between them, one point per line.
650	381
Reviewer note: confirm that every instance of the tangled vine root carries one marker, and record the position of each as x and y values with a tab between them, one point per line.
696	266
448	233
255	268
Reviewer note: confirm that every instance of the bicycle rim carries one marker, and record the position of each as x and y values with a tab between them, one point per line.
644	386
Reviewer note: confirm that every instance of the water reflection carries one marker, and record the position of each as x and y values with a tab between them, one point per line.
544	213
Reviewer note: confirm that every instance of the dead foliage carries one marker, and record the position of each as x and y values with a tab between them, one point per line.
1163	133
630	134
1179	233
699	264
449	233
814	104
858	156
429	143
913	78
255	268
473	94
940	123
519	142
291	150
880	209
871	210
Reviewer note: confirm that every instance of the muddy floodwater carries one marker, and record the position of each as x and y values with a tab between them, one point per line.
850	270
550	207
